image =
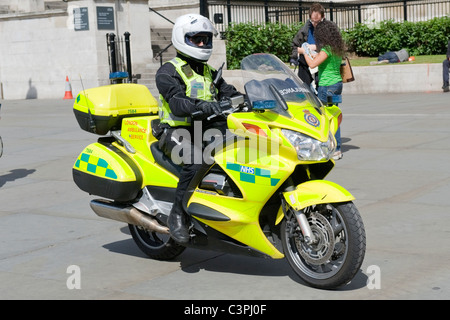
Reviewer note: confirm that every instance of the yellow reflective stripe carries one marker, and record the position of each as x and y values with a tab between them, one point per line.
197	86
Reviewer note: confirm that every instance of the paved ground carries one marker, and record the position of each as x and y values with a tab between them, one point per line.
396	151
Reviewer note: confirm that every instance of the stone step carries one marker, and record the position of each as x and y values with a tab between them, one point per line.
4	8
161	38
161	33
169	52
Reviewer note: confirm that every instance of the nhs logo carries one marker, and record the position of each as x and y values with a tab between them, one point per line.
249	170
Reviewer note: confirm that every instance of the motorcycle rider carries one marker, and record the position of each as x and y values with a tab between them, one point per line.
186	86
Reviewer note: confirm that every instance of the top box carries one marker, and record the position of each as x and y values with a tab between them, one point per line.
101	109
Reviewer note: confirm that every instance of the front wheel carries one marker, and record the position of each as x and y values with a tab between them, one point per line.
155	245
338	250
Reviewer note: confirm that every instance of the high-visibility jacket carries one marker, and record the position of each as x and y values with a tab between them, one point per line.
197	86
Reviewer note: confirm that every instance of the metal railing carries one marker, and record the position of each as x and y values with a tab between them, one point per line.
119	69
345	14
159	55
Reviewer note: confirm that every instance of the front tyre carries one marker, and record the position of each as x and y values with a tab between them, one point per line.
338	252
155	245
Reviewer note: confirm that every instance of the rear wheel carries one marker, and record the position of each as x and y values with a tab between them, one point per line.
338	252
155	245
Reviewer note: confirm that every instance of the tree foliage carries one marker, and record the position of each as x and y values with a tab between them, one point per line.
418	38
244	39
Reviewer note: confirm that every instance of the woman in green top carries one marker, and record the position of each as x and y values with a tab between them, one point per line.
331	49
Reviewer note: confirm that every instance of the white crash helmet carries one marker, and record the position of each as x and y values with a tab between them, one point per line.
187	26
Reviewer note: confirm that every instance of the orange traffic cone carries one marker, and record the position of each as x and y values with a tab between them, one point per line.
68	94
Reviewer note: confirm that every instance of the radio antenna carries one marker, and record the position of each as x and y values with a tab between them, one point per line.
92	125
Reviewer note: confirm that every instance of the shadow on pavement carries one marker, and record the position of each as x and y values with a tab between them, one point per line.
14	175
195	260
347	147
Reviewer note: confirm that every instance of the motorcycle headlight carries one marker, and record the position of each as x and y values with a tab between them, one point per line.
309	148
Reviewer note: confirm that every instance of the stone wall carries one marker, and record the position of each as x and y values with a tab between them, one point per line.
40	46
390	78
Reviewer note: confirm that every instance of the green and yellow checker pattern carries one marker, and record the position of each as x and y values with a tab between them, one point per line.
95	165
253	175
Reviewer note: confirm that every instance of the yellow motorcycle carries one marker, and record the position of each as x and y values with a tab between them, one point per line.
262	191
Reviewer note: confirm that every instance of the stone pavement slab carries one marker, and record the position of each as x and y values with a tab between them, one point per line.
396	150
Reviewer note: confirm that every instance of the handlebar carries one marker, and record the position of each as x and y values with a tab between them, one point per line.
228	106
197	114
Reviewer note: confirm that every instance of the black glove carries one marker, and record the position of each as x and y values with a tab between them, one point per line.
209	108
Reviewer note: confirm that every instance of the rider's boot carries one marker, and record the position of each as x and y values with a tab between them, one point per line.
178	223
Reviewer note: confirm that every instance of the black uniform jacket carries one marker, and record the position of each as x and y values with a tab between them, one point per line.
173	89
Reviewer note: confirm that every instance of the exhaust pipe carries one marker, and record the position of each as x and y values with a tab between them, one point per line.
131	215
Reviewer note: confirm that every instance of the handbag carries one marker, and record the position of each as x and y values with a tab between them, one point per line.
346	71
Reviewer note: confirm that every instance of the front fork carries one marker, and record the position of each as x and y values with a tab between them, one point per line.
302	221
310	193
304	226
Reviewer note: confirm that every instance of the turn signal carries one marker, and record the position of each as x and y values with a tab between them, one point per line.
255	129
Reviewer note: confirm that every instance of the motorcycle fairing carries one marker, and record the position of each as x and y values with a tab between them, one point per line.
299	122
242	220
257	177
258	173
334	112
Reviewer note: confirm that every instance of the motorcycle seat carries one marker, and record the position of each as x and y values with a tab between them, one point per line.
164	161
